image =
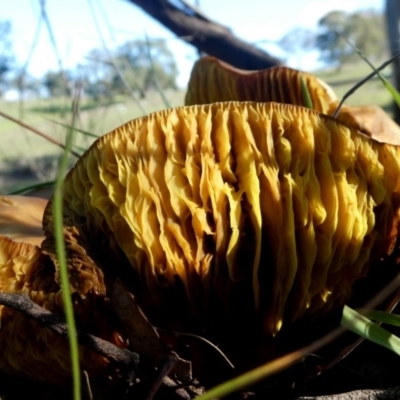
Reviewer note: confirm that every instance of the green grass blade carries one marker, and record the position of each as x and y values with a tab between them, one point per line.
86	133
390	88
381	316
362	81
367	329
80	149
32	187
242	381
306	94
63	268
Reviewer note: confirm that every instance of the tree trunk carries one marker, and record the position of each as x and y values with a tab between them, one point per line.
207	36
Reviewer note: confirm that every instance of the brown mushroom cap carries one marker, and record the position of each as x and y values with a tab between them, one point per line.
28	348
21	218
372	121
263	207
213	80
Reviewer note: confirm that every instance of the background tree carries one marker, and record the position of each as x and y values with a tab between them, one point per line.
297	41
6	55
96	75
364	29
145	64
208	36
140	65
25	84
57	83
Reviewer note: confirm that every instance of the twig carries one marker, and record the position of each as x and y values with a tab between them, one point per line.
22	303
200	338
43	135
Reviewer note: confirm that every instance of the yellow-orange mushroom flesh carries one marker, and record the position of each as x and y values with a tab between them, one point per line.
30	349
213	80
269	205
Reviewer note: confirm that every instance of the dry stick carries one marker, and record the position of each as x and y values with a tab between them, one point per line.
22	303
43	135
359	84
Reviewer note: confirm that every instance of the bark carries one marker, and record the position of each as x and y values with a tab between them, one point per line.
207	36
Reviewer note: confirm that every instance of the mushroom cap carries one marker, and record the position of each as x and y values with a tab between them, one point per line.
373	121
21	218
213	80
253	208
28	348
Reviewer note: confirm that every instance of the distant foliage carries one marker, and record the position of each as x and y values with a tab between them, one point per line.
137	66
364	29
57	83
147	63
6	54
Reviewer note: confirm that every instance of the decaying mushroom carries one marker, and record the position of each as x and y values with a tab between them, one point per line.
260	211
28	348
213	80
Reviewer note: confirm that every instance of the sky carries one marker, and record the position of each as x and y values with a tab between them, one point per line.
73	23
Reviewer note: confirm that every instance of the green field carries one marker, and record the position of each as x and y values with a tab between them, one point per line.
26	158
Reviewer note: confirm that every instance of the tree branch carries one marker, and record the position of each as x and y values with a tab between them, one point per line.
207	36
24	304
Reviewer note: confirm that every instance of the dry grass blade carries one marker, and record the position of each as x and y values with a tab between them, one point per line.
34	130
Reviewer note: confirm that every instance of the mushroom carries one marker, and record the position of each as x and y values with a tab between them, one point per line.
275	203
241	210
213	80
28	348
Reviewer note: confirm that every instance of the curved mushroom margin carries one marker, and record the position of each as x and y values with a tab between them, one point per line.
213	80
254	208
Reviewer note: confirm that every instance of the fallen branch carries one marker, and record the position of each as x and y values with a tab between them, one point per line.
188	23
22	303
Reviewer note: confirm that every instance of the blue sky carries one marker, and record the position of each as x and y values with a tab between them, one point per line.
257	21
